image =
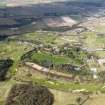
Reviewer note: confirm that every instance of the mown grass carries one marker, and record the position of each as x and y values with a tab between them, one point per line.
69	86
71	39
42	37
56	59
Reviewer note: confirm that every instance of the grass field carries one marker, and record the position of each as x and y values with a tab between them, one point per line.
60	87
100	28
41	56
93	40
67	39
41	37
64	91
14	51
95	99
38	78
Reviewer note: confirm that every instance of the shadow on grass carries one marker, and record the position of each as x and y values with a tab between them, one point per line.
5	64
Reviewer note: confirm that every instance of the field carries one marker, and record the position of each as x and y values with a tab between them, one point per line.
60	89
46	38
14	51
95	99
40	57
40	32
15	46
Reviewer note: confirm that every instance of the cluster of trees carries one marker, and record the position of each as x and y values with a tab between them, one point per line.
2	37
76	53
27	55
27	94
77	56
101	76
5	64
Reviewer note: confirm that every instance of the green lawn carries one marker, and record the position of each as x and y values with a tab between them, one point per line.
100	28
69	86
42	56
14	51
93	40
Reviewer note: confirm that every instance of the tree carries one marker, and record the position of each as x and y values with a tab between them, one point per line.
102	76
27	55
78	100
5	64
27	94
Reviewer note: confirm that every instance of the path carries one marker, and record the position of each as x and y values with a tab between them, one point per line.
51	73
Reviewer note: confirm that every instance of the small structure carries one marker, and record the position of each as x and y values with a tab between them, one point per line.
94	72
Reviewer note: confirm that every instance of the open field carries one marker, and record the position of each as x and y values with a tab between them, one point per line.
12	50
95	99
15	50
58	88
39	57
56	33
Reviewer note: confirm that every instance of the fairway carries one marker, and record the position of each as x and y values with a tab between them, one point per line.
55	59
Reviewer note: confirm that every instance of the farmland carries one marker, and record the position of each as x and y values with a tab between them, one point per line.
67	40
14	47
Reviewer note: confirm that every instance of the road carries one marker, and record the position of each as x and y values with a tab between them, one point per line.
46	71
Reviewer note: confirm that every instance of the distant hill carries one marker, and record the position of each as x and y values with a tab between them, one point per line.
20	17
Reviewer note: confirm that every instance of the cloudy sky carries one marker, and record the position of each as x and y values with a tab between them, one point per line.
24	2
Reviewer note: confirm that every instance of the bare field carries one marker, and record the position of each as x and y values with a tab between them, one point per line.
95	24
95	99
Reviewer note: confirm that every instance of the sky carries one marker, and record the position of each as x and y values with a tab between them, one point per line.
22	2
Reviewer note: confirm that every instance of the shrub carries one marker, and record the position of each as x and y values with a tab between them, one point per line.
27	94
4	67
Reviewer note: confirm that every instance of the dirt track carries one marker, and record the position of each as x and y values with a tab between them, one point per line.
51	73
